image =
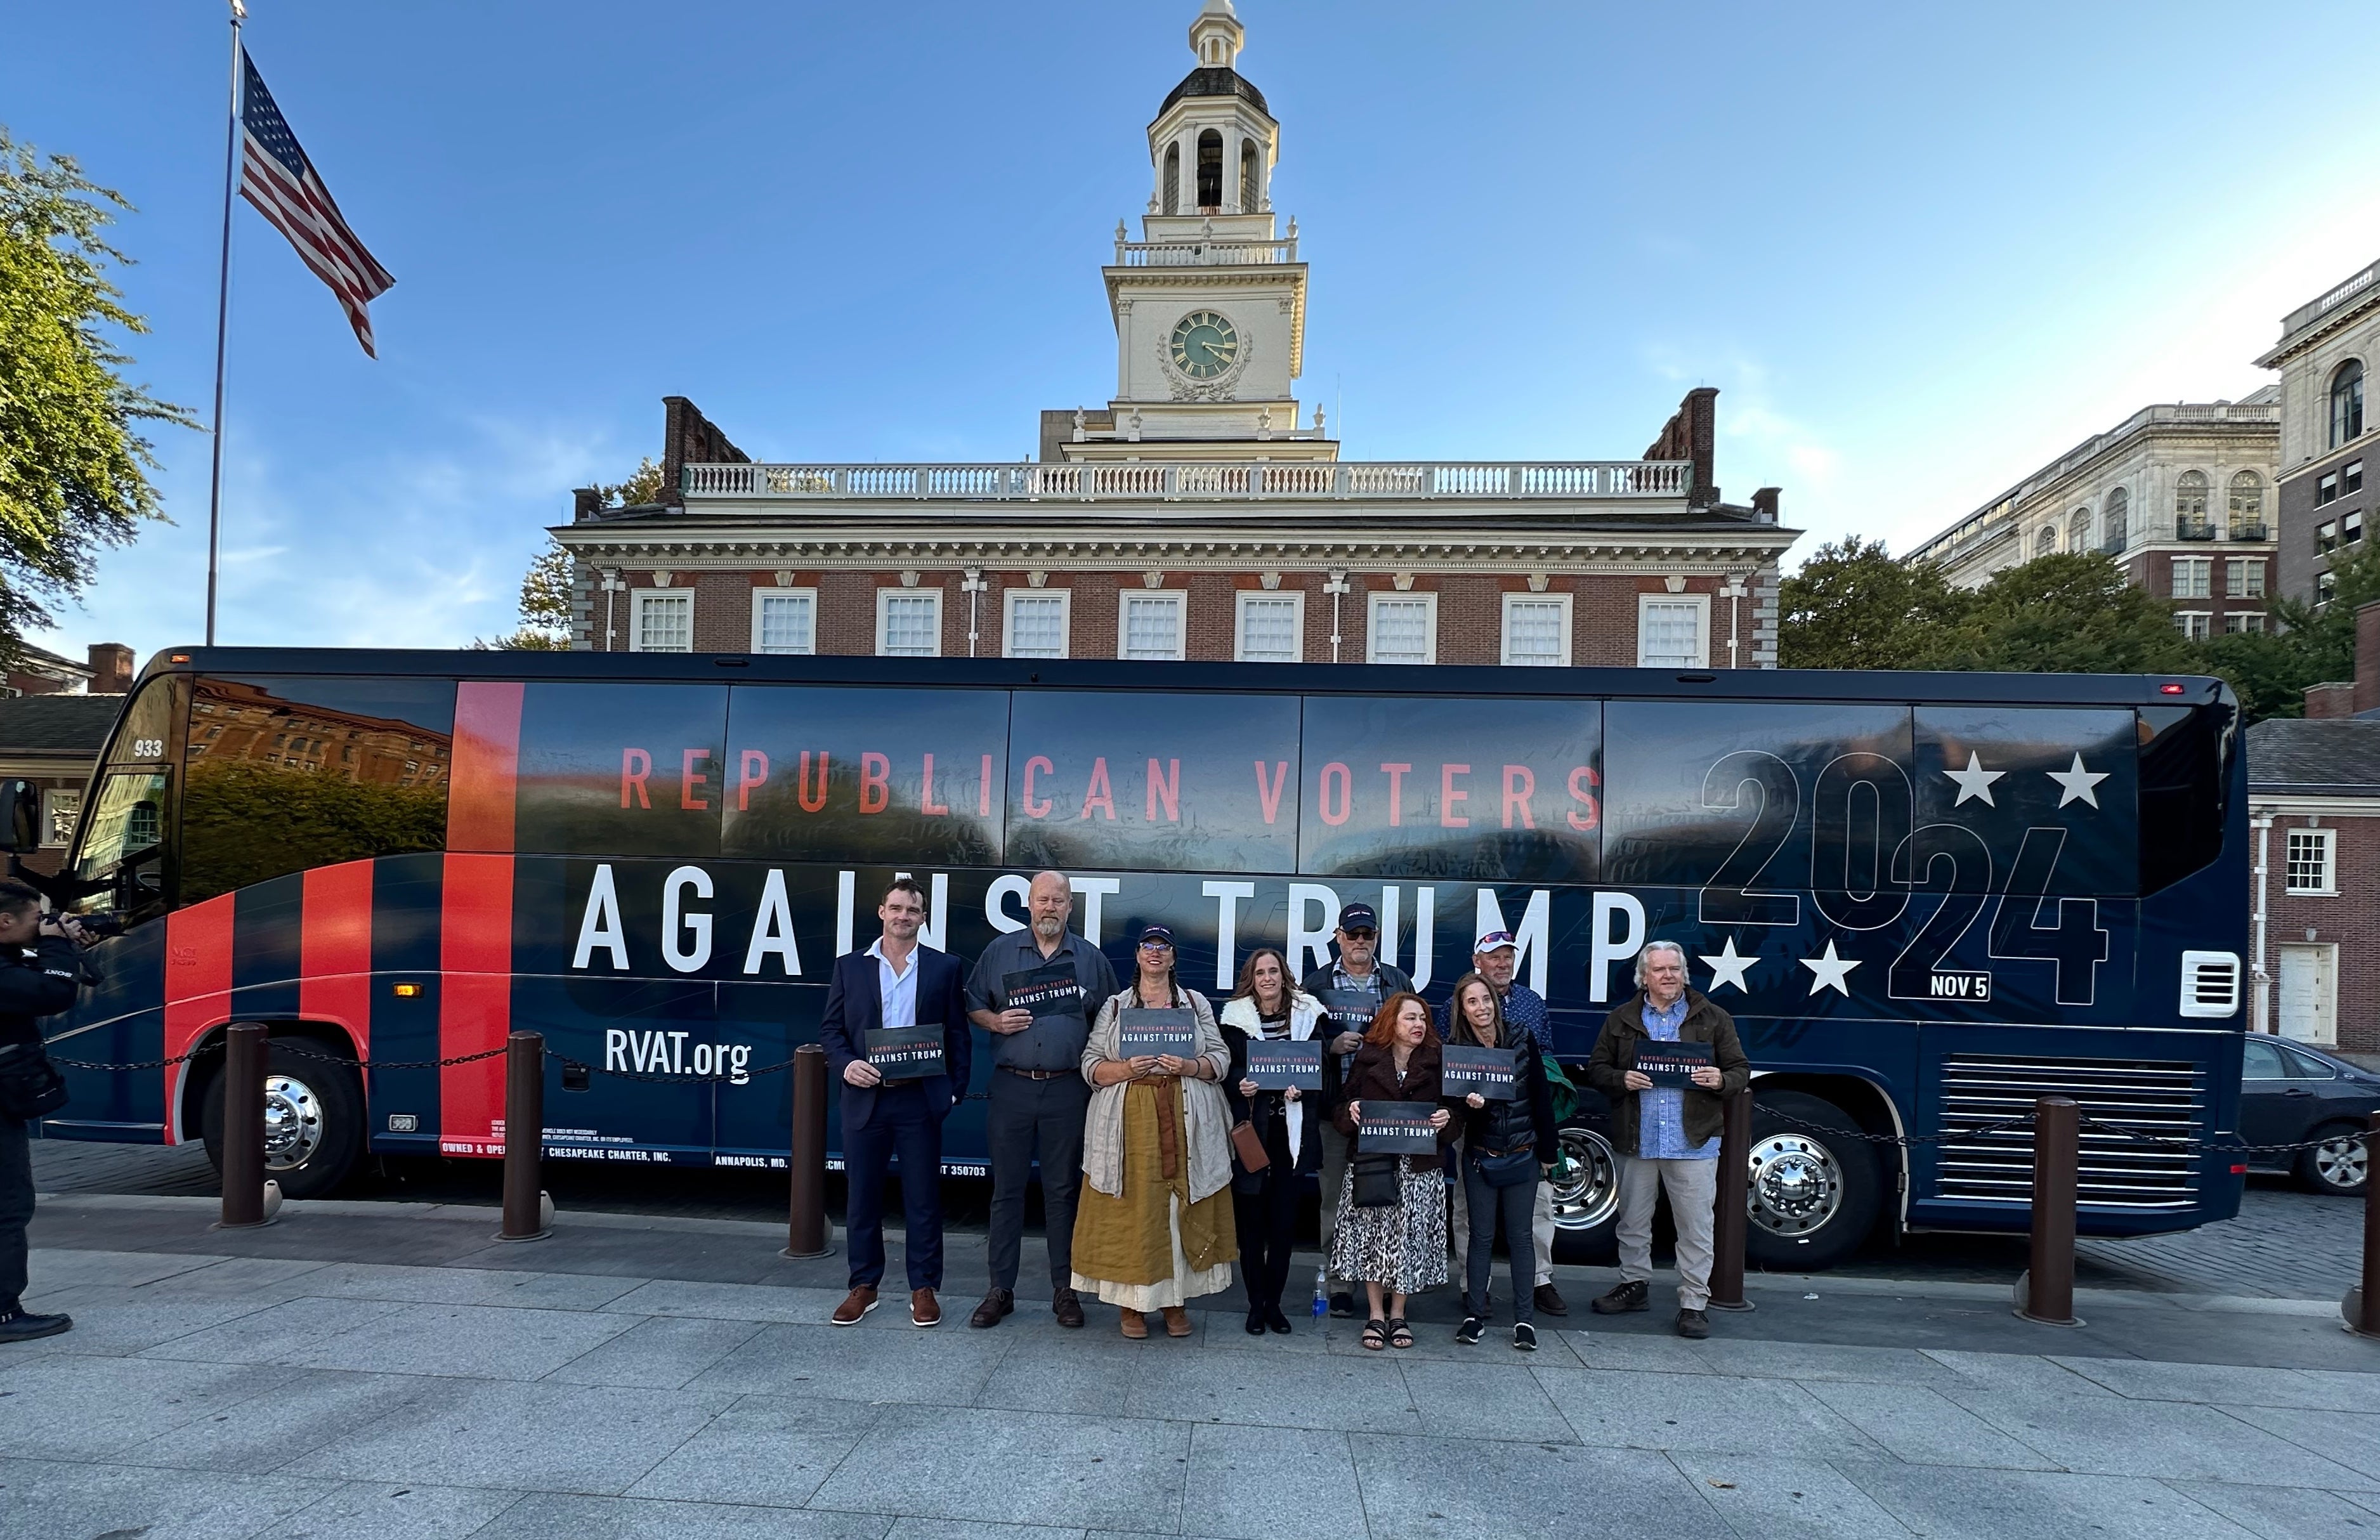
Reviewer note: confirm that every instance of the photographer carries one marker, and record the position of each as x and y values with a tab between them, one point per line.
30	987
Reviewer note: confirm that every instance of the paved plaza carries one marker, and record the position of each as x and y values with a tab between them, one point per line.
359	1370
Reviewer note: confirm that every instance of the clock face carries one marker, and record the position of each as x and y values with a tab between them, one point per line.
1205	344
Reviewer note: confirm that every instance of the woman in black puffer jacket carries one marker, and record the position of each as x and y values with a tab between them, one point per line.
1508	1148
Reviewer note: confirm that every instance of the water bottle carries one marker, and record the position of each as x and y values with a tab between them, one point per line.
1321	1292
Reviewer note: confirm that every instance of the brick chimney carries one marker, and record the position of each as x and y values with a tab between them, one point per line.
1764	503
111	668
2367	658
2335	699
586	503
1692	434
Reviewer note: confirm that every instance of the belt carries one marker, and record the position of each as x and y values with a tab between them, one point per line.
1037	1074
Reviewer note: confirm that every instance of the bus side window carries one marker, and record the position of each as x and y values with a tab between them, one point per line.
2185	771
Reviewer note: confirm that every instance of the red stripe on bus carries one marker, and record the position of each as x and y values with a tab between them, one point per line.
334	950
474	999
487	766
198	988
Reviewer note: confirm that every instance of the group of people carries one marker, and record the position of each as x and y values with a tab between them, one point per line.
1159	1171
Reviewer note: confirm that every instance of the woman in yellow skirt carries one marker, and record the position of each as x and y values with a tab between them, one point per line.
1155	1228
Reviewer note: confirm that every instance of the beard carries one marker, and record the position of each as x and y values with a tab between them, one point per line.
1049	928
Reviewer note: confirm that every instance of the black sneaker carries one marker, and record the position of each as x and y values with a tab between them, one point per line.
1343	1306
1468	1332
23	1326
1627	1297
1525	1337
1693	1324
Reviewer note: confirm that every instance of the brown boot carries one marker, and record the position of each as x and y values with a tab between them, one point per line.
855	1306
1177	1321
1135	1325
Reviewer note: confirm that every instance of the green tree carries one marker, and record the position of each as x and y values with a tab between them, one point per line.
2066	613
74	468
2325	636
1853	606
643	485
544	606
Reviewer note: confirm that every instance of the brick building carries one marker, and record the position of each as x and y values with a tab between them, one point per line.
1199	515
55	715
2179	494
2314	788
2328	349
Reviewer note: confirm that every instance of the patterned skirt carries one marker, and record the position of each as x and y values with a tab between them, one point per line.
1402	1249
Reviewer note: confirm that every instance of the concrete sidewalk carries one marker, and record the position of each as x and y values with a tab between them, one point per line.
382	1369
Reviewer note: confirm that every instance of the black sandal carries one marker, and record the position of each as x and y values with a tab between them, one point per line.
1376	1334
1399	1334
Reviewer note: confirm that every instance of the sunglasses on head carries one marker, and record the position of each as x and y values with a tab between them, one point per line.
1156	946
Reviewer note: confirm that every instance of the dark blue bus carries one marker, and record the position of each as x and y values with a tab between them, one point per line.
1927	898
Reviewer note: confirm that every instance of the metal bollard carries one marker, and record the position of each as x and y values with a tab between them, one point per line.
2360	1309
243	1129
2045	1293
806	1231
1734	1217
524	1137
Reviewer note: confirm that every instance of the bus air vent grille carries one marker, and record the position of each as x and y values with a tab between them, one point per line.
2161	1100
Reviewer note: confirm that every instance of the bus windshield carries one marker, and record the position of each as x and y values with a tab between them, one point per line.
123	836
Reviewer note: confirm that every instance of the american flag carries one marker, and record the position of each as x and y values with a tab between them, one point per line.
275	175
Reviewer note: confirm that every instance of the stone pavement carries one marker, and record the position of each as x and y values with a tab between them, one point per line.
362	1370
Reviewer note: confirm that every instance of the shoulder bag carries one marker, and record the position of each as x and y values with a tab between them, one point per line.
31	1087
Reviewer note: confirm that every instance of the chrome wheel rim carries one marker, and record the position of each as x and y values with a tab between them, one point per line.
2342	1163
1585	1183
293	1123
1796	1186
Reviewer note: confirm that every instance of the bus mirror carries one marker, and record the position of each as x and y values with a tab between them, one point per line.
20	816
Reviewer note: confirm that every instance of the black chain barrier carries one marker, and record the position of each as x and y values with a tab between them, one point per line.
2193	1147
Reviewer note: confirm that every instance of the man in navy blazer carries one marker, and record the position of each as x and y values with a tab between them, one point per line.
895	983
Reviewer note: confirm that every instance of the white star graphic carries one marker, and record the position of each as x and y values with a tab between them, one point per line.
1830	971
1975	781
2077	784
1728	969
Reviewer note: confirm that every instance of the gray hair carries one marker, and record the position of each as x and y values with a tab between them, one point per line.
1652	947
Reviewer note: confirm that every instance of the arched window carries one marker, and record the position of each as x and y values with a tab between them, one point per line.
2078	531
2347	402
1247	175
1211	170
2046	543
2247	506
2119	520
2190	503
1173	178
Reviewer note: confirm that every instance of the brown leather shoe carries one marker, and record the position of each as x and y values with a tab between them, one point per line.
1068	1308
998	1302
855	1306
924	1309
1135	1325
1177	1321
1549	1300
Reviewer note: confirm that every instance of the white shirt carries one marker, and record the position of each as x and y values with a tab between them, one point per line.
896	990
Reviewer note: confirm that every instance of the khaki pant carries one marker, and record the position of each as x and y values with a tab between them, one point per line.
1693	1194
1541	1223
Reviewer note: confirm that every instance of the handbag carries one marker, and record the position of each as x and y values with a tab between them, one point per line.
1249	1146
1375	1184
1508	1168
31	1087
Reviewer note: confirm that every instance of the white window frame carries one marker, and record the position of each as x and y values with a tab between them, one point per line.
2195	626
2244	623
1701	601
1181	598
1372	603
1560	601
640	600
52	797
2250	571
759	599
2202	570
2328	840
884	598
1294	598
1008	601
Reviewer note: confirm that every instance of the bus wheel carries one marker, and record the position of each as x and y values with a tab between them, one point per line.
313	1120
1585	1187
1812	1195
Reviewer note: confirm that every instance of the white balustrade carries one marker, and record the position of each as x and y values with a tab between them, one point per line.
1202	480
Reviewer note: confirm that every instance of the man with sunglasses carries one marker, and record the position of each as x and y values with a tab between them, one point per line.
1357	971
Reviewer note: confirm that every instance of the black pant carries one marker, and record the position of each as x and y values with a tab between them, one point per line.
1518	1205
15	1209
1266	1218
1025	1114
901	1121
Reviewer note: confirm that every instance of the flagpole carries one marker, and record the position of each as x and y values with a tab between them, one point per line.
223	315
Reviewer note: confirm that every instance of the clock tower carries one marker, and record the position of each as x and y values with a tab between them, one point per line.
1209	304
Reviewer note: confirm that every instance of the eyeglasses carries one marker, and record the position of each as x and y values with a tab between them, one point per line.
1157	946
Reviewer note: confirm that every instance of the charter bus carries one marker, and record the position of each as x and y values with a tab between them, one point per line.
1927	898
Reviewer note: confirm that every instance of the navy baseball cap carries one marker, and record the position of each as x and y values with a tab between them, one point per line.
1156	933
1358	916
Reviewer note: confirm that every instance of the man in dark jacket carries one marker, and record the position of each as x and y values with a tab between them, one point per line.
30	987
1666	1137
1343	986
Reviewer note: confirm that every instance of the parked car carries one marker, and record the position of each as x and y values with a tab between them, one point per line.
2289	1093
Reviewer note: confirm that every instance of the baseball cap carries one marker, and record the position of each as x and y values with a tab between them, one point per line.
1358	916
1154	932
1496	941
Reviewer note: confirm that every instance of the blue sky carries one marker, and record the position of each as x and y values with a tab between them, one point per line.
1921	249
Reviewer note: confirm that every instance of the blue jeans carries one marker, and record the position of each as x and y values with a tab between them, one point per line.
1517	1204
